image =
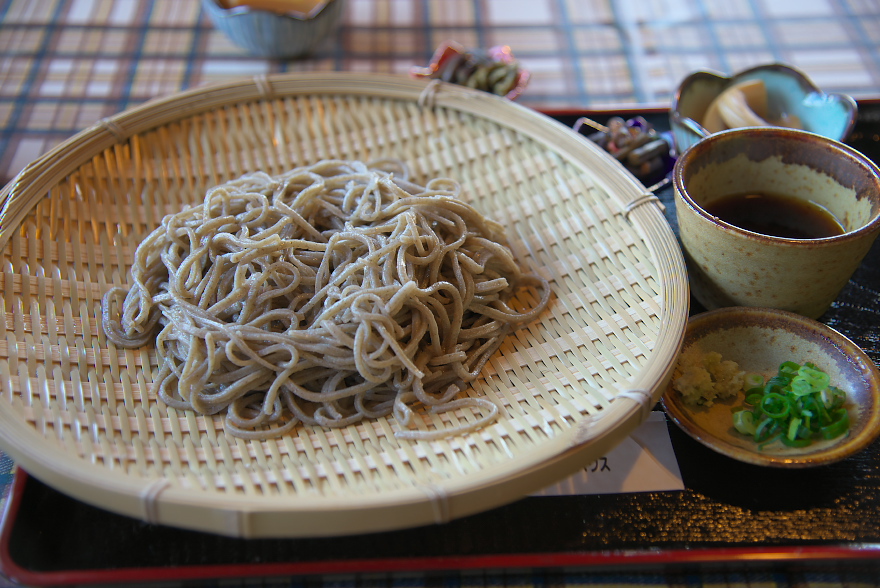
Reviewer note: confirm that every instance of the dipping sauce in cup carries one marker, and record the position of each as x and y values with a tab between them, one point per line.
749	202
777	215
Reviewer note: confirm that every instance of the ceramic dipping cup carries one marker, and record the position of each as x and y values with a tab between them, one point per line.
731	266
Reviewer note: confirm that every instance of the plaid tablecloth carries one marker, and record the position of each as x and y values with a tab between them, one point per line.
64	64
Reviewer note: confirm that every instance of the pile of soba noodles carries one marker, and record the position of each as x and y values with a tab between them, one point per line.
326	295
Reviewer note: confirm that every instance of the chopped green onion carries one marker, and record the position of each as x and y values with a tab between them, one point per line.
754	398
744	422
774	405
833	397
753	380
837	427
801	386
777	384
796	442
766	427
770	440
789	368
796	406
793	426
818	379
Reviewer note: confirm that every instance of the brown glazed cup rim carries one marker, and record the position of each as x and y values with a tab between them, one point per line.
763	133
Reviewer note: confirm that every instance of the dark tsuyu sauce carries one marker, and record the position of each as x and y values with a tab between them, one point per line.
776	215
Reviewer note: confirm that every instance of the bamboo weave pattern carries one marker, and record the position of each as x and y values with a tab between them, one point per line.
91	401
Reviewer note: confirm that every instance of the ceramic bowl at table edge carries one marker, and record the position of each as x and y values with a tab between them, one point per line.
760	339
276	35
831	115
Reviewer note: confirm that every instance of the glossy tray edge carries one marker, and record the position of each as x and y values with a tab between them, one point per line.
855	555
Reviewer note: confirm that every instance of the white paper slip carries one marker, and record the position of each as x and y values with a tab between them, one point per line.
643	462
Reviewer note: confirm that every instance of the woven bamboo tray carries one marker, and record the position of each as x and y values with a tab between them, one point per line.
78	413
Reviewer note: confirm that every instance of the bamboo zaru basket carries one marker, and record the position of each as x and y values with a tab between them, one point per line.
78	413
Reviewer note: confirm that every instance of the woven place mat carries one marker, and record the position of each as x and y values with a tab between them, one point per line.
78	413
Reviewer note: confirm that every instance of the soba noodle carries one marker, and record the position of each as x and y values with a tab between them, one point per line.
326	295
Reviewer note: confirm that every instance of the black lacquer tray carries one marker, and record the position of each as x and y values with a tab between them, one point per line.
730	514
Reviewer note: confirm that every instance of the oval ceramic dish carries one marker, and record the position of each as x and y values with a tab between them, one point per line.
80	415
759	340
788	90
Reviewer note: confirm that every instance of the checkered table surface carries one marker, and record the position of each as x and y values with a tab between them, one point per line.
65	64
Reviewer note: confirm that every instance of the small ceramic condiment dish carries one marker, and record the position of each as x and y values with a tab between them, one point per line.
729	265
273	33
789	92
759	340
456	64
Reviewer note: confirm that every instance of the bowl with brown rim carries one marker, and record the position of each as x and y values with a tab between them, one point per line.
759	340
